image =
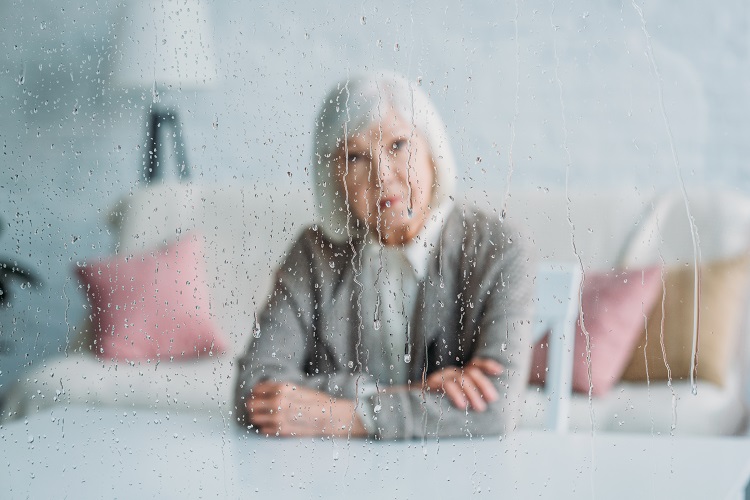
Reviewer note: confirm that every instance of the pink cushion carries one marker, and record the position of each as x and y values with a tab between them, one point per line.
153	305
615	305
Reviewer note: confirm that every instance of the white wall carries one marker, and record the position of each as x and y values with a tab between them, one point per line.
567	89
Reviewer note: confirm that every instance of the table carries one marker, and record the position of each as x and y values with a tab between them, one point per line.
76	452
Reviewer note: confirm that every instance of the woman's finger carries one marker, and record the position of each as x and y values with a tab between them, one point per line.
437	380
261	420
266	388
268	430
488	366
455	394
484	384
471	391
262	404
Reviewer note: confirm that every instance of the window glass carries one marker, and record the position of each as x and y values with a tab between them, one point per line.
161	158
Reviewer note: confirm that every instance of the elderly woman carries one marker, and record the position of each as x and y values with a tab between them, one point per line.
401	313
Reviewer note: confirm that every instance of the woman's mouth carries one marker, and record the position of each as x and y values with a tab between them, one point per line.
389	202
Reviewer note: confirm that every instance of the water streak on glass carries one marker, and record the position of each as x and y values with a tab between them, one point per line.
681	182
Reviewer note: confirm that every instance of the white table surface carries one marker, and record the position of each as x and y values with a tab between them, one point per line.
75	452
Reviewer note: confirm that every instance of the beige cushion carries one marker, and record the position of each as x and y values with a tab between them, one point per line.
722	298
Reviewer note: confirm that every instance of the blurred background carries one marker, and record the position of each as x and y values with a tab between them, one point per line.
536	95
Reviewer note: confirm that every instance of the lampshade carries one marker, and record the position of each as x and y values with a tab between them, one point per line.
164	43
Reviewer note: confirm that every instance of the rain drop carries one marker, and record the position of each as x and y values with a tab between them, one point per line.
377	408
407	358
388	204
363	20
256	327
376	324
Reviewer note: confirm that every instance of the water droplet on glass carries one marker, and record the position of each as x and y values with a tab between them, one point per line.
30	439
396	47
376	324
256	326
479	159
332	264
407	358
350	364
363	20
410	212
377	408
388	204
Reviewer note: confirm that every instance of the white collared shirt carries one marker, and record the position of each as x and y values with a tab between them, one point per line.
390	278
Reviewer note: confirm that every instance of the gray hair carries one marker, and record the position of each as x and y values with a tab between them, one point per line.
354	104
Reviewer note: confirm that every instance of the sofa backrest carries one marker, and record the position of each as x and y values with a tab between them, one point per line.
246	231
585	225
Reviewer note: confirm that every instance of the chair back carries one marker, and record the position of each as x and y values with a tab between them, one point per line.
557	308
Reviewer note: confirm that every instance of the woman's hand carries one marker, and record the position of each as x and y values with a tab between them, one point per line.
286	409
469	386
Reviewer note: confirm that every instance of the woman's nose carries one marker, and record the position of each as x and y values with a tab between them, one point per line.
388	168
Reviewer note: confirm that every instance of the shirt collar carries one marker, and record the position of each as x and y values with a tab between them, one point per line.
417	251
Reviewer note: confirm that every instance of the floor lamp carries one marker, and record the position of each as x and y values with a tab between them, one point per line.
164	46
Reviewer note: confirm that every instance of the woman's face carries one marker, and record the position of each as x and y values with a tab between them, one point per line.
387	174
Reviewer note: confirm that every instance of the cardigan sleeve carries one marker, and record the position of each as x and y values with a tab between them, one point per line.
286	338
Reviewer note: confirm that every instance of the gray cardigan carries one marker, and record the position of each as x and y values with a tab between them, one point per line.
474	301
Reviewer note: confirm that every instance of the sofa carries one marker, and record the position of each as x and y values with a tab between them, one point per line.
245	230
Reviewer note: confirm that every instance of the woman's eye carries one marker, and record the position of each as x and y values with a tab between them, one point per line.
352	158
399	144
